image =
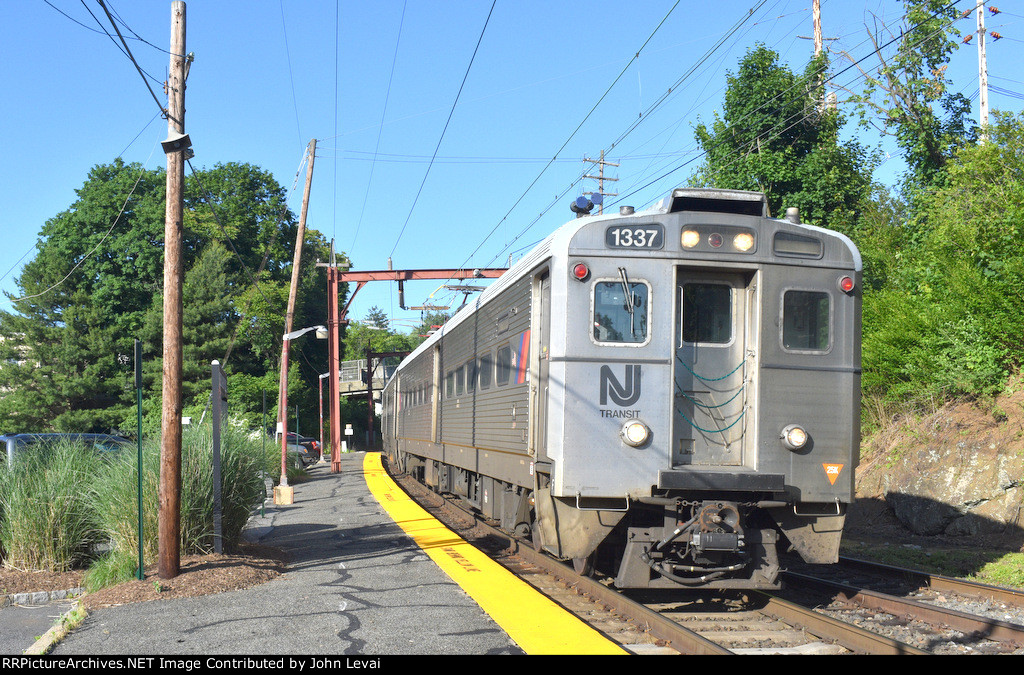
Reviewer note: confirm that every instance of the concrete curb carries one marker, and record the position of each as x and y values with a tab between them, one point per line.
39	597
56	633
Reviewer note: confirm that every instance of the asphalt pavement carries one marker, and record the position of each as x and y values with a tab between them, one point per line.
355	585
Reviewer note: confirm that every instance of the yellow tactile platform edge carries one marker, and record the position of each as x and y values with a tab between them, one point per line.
535	623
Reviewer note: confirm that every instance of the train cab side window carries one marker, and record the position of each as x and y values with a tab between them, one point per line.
707	313
460	380
503	365
616	318
806	321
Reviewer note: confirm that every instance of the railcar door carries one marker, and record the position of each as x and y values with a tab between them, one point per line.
714	397
541	323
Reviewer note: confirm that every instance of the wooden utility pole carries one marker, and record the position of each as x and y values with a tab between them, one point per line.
283	494
169	525
982	73
300	237
816	19
601	178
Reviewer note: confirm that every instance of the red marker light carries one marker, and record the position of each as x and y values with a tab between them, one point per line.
846	284
580	271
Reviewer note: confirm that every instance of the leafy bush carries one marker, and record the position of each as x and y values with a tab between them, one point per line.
947	319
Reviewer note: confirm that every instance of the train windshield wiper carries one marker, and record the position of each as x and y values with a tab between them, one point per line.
629	299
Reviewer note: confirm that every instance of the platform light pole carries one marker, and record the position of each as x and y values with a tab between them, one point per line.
283	493
320	410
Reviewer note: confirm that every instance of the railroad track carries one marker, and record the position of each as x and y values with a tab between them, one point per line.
684	622
938	613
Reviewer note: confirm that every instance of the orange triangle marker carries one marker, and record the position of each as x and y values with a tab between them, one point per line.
832	472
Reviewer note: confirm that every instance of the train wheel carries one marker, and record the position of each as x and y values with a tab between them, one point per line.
584	566
538	545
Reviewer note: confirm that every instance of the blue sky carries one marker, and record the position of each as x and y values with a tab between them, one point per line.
507	113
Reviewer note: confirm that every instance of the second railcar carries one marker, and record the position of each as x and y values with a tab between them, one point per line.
666	395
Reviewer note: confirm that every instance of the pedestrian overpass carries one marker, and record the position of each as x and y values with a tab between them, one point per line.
352	376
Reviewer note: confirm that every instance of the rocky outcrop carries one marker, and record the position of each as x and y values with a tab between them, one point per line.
956	472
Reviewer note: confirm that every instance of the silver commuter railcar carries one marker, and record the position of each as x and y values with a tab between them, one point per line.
670	396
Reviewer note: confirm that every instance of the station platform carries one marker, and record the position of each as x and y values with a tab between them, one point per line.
369	573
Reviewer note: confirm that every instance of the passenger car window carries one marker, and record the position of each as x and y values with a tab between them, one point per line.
616	319
707	313
504	365
805	320
486	371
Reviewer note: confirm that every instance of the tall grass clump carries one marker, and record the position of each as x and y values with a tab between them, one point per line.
242	487
48	521
116	503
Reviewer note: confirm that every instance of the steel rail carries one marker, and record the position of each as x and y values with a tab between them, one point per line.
852	637
1010	596
671	633
661	628
982	627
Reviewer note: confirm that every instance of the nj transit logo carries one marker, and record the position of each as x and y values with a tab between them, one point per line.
624	393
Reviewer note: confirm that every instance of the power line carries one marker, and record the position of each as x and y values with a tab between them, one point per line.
629	130
291	75
447	122
790	122
574	132
131	58
380	129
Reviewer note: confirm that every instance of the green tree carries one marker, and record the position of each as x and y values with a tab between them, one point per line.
775	135
907	95
369	334
950	321
65	345
96	283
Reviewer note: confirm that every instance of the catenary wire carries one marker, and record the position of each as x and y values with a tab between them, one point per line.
443	131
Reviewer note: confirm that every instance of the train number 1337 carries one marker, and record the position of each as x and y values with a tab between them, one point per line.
635	236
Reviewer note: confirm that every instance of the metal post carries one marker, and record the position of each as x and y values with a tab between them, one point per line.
320	412
284	416
219	394
138	408
334	321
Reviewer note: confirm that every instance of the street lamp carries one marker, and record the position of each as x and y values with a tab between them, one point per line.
283	493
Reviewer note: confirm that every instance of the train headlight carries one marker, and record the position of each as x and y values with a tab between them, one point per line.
793	437
635	433
744	241
690	238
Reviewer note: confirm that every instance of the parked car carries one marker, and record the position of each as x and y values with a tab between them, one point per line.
14	443
299	456
311	445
